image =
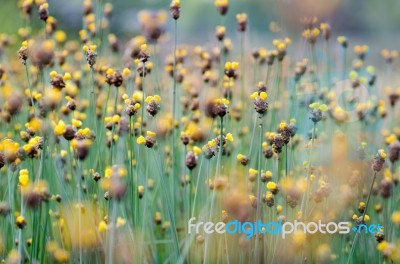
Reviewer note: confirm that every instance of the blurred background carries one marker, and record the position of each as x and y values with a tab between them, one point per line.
367	18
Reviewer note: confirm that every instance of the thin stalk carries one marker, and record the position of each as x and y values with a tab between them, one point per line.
145	198
169	209
30	90
197	187
305	195
242	62
363	215
190	204
113	127
103	116
20	238
173	134
218	169
130	156
143	96
328	66
112	235
344	77
286	175
93	98
79	176
259	202
252	138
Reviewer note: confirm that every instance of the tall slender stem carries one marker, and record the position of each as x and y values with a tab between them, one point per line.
363	215
259	188
143	97
305	195
93	99
113	126
173	134
30	90
20	243
218	170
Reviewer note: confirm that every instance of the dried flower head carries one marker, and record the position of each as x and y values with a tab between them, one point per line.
175	9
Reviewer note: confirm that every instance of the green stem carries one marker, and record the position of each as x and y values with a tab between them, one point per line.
173	134
143	97
113	126
363	215
93	98
30	90
218	170
259	204
305	196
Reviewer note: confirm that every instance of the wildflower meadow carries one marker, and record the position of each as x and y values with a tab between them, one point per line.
222	145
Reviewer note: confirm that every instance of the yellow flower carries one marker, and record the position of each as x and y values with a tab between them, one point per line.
108	172
23	178
53	74
115	119
122	172
151	133
219	3
254	95
323	107
143	47
382	153
67	76
212	143
60	128
61	255
60	36
235	65
197	150
102	226
140	140
396	217
382	246
126	72
120	222
252	198
341	39
20	221
390	139
76	123
157	98
253	171
110	71
229	137
314	105
263	95
271	185
282	125
148	99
